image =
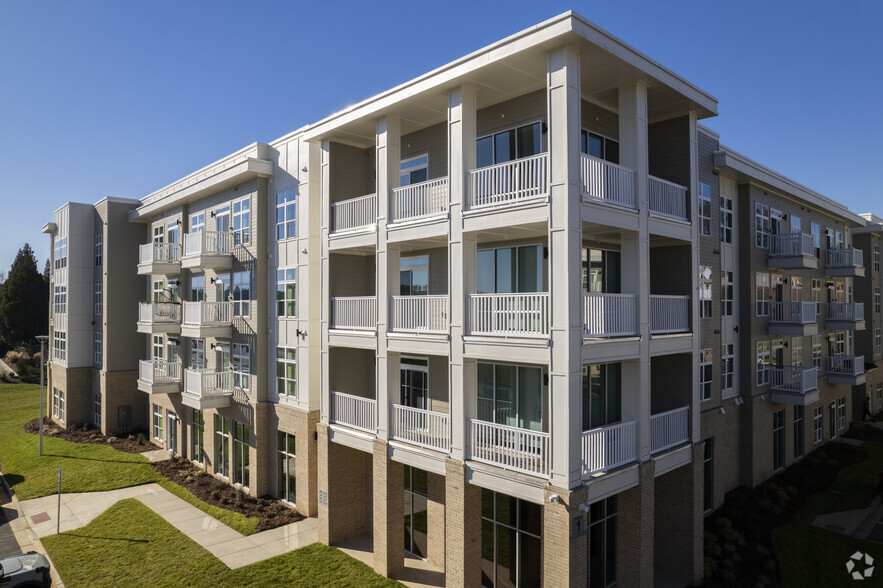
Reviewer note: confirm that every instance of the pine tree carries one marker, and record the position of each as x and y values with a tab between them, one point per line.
23	302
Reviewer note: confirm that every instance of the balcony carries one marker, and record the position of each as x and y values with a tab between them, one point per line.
669	314
204	390
208	319
508	183
354	214
610	315
423	428
792	250
159	376
356	313
607	182
844	262
418	201
668	199
508	315
420	314
606	448
793	319
845	316
846	369
511	448
669	429
208	249
159	258
355	412
794	384
159	317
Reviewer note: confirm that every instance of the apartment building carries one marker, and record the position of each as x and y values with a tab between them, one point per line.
869	343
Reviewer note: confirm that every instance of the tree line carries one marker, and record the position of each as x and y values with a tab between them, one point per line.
24	302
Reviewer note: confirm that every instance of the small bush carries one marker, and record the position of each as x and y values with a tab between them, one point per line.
141	439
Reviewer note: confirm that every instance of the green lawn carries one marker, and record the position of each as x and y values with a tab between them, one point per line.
130	545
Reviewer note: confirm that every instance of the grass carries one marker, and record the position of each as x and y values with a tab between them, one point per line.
130	545
236	521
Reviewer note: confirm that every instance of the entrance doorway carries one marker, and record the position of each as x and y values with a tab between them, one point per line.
414	382
172	433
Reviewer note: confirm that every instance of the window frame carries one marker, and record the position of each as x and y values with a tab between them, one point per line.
240	213
157	429
240	365
726	219
727	289
706	296
513	129
703	206
799	432
762	293
778	440
286	227
763	366
818	424
606	144
286	277
841	413
241	456
761	225
728	363
99	250
97	348
99	299
706	373
286	358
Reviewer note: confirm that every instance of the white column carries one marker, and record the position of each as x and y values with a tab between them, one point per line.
325	275
310	237
695	427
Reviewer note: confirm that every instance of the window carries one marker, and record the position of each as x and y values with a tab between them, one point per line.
879	396
816	239
197	222
197	437
510	269
796	289
817	293
876	258
58	404
798	431
286	372
705	373
511	395
286	215
414	170
97	348
841	413
878	342
157	422
60	253
197	288
762	294
197	354
241	365
99	249
174	230
159	291
159	234
763	363
222	446
416	490
602	395
705	301
599	146
761	225
286	449
778	440
601	270
241	440
242	221
96	409
286	292
157	347
242	293
796	351
726	220
727	293
817	351
59	346
509	145
704	204
511	538
877	299
818	424
727	366
708	474
59	301
601	520
414	276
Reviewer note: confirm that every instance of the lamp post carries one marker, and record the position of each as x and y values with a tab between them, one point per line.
42	339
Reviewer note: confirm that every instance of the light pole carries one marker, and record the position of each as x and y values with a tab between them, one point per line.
42	339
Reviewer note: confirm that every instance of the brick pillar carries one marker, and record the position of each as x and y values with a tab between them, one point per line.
462	527
435	521
634	531
342	480
260	452
389	512
307	465
565	539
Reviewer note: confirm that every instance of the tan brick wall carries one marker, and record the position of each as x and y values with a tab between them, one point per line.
121	389
565	557
76	383
435	520
389	512
634	531
462	527
342	477
261	451
678	522
725	430
302	425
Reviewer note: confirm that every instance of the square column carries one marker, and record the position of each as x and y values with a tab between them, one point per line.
462	527
342	488
325	288
565	538
695	425
389	512
634	530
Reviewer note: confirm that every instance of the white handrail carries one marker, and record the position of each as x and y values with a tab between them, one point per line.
354	213
158	252
669	314
508	182
512	448
847	365
202	383
354	312
845	311
354	411
844	257
159	312
794	378
801	313
208	243
208	313
421	427
159	371
610	315
669	429
608	447
607	182
420	314
668	198
419	200
509	314
791	244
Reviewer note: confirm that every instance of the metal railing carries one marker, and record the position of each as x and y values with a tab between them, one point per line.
799	313
669	314
607	182
668	199
845	311
608	447
794	378
512	448
421	427
208	243
669	429
158	252
420	314
844	257
846	365
159	371
791	244
419	200
509	314
508	182
610	315
159	312
208	313
354	312
203	383
354	411
354	213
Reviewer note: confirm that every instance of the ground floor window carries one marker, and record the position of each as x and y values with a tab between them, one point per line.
416	491
96	409
778	439
708	475
798	432
222	446
841	413
287	452
58	403
197	436
818	424
602	543
157	422
879	396
241	439
511	541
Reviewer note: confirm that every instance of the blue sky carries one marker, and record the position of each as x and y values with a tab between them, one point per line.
121	98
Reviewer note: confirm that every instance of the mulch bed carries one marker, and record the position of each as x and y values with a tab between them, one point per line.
271	512
136	443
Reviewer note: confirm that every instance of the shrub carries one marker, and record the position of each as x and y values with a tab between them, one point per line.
141	439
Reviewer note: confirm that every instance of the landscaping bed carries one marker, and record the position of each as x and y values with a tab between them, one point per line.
135	443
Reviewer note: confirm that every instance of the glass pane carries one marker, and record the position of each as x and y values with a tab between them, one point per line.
614	392
530	269
504	146
596	555
530	398
487	553
487	503
586	399
530	517
506	270
612	272
504	407
408	522
484	152
529	561
596	270
530	140
419	282
506	570
596	145
611	149
486	392
596	404
419	522
583	142
486	272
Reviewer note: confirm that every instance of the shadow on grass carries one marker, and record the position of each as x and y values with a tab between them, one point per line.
85	536
97	459
13	479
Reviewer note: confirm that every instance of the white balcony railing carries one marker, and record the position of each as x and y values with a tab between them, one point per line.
159	313
205	384
421	427
354	411
419	200
509	314
354	213
846	365
354	312
794	378
205	313
607	182
669	314
208	243
158	253
791	244
845	311
509	182
793	313
610	315
668	199
669	429
844	258
420	314
521	450
608	447
159	371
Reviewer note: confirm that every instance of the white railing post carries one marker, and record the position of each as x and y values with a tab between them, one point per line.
609	315
669	429
508	182
420	314
669	314
509	314
668	199
521	450
354	312
607	182
354	213
421	427
419	200
608	447
354	411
